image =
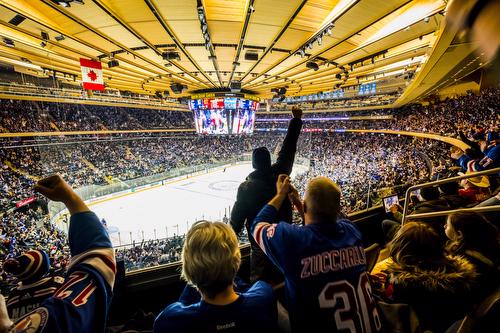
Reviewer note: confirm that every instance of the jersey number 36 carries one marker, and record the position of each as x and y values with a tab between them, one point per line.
356	310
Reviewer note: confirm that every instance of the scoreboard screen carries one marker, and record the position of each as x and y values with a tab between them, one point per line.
367	89
224	115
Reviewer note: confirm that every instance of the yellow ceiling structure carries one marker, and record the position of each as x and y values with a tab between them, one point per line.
350	41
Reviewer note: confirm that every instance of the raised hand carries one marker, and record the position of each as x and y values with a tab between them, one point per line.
283	185
56	189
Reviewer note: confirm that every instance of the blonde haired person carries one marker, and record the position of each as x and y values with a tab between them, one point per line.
211	301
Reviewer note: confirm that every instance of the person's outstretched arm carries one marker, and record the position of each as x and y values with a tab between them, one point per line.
81	304
489	161
286	156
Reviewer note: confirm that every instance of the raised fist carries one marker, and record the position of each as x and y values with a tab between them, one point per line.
55	188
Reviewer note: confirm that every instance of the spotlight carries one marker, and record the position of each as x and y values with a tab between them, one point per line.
338	76
426	19
312	65
329	31
113	63
8	42
59	38
251	9
302	53
43	44
310	46
319	40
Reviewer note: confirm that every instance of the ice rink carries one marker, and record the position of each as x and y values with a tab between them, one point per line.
171	208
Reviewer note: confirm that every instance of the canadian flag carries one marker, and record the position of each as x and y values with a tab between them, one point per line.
91	74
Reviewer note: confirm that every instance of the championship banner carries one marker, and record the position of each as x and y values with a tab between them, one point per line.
25	202
91	74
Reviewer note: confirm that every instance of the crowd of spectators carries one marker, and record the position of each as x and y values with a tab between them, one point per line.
150	253
382	159
31	229
453	114
28	116
367	166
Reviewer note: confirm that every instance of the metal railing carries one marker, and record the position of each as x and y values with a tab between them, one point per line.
447	212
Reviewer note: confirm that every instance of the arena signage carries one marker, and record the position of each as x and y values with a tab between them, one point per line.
25	202
224	94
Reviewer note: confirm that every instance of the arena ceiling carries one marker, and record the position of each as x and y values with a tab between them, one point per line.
350	41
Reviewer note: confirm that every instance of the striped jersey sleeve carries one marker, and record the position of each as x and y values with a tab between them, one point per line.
82	302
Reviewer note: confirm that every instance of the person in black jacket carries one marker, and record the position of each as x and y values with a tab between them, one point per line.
260	187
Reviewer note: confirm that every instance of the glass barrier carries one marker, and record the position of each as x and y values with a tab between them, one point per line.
117	186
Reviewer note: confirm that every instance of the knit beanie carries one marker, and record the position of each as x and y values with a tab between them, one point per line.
28	267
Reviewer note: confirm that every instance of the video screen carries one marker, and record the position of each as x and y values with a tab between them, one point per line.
367	89
389	201
243	121
211	121
228	115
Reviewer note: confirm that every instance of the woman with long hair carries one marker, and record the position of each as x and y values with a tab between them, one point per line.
437	286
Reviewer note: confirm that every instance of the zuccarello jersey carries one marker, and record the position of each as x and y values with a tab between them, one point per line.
324	266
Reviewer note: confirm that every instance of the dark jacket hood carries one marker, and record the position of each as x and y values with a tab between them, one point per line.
457	278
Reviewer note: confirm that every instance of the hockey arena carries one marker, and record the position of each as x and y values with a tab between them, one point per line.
142	216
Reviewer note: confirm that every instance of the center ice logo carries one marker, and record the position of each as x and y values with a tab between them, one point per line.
224	185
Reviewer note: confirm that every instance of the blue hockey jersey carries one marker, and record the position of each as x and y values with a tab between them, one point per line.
491	160
254	311
81	303
324	265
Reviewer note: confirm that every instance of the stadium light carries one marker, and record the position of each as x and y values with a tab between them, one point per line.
8	42
329	31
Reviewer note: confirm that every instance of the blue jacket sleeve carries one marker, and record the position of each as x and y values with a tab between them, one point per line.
82	302
273	238
491	160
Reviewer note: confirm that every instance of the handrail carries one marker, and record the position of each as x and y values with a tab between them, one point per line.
459	210
439	182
